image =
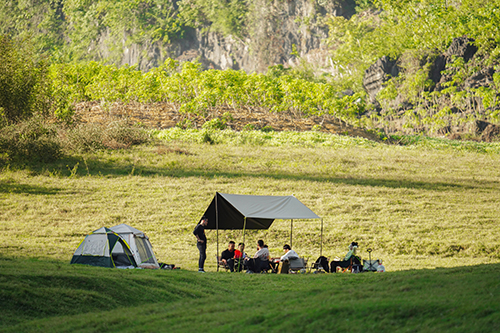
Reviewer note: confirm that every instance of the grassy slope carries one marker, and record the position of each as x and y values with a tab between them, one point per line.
424	206
416	206
41	296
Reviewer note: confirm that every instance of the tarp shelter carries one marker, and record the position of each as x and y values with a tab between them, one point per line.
97	249
139	244
241	212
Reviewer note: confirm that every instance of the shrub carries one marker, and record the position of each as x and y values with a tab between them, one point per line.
114	135
120	133
214	124
23	82
84	138
31	140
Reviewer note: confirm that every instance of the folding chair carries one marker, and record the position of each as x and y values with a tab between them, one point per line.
221	264
298	264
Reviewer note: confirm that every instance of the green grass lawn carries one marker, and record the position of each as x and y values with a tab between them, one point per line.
430	204
47	296
417	206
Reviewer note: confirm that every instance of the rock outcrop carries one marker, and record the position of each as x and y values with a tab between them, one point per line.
377	74
460	117
460	47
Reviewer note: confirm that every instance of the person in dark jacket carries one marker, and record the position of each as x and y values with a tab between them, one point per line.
227	256
199	232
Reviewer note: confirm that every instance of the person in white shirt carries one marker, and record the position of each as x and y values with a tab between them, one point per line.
260	260
262	252
289	253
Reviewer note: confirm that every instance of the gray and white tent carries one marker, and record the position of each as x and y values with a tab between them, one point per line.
100	248
139	244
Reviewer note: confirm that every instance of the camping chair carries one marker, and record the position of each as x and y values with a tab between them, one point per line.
320	265
221	264
239	264
266	266
346	265
298	264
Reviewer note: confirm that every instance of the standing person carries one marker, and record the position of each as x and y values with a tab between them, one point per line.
199	232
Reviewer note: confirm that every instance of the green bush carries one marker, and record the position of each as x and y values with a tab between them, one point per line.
31	140
24	87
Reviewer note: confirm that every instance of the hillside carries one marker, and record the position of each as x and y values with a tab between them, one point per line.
235	34
430	203
438	76
46	296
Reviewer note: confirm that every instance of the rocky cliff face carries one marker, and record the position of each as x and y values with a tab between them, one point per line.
279	31
377	74
460	110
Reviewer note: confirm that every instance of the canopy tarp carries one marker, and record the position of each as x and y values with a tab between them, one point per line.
230	210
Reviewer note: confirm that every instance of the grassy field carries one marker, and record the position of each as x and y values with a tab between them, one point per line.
50	296
429	204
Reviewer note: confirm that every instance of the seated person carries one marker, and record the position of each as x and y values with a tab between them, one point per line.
239	253
353	247
289	253
349	259
262	251
227	256
239	257
260	260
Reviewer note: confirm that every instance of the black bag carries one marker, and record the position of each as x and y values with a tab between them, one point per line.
322	262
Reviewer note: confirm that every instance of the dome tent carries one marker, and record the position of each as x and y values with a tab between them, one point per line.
139	243
98	249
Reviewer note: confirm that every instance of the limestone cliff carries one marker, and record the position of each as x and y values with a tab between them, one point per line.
278	32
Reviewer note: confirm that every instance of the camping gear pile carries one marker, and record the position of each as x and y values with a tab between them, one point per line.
121	246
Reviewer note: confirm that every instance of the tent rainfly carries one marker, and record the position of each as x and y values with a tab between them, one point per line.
139	243
241	212
98	249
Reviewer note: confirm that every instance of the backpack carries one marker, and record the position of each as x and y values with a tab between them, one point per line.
323	262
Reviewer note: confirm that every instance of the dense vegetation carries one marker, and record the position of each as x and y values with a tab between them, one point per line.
197	91
416	33
413	32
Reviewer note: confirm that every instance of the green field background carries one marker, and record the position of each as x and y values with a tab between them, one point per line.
415	206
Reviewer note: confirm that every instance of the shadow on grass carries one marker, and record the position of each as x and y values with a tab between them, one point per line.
78	167
16	188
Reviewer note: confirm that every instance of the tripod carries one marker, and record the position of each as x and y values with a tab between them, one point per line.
370	266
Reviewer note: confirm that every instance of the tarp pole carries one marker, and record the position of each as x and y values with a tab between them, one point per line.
244	227
291	232
321	246
217	226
